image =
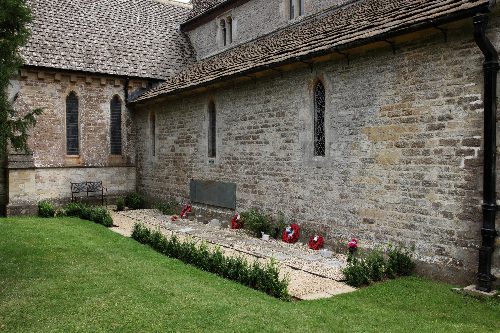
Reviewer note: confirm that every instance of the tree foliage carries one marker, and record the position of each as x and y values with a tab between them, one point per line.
14	33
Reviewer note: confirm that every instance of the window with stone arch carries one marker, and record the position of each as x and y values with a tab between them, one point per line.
116	126
296	8
152	129
72	128
223	31
212	130
319	119
229	30
226	26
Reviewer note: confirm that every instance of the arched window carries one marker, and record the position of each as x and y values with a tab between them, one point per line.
224	32
296	8
116	126
212	131
72	146
319	119
152	126
229	30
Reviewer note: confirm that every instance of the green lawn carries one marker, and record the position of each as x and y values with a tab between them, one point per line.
69	275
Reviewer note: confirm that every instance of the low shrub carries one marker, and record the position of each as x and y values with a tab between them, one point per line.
261	277
120	204
73	209
256	222
101	215
46	209
357	273
278	227
375	263
86	212
171	207
134	201
141	234
96	214
397	261
60	212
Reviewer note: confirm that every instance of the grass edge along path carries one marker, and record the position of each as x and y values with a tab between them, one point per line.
70	275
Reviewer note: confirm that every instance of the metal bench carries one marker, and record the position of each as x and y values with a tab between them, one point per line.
91	189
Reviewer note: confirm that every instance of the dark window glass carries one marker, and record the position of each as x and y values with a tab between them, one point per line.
153	133
229	31
223	27
72	147
292	9
319	120
116	126
212	130
301	7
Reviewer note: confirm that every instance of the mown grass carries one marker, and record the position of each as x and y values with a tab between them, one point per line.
70	275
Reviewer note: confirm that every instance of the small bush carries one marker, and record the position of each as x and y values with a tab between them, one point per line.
86	213
171	207
73	209
46	209
134	201
141	234
376	266
375	262
60	212
399	261
101	215
98	215
261	277
120	204
278	226
357	273
256	222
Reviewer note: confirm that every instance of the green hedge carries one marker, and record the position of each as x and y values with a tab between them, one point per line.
260	277
394	261
46	209
96	214
135	201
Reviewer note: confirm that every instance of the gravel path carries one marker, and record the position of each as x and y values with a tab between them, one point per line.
313	274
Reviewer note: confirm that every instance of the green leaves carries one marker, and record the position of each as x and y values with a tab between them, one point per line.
257	276
14	17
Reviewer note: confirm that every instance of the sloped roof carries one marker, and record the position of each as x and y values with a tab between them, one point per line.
353	24
137	38
201	6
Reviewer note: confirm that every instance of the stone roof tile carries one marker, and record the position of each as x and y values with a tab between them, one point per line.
201	6
356	22
137	38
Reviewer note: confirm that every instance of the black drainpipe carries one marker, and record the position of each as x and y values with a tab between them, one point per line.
488	232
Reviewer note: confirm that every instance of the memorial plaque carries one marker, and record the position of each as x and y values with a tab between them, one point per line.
213	193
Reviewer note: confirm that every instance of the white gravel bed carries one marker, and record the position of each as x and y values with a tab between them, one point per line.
311	275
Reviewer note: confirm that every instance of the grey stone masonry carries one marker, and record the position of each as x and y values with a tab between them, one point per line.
251	20
403	155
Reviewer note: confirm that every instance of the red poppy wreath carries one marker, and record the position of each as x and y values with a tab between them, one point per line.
291	234
316	242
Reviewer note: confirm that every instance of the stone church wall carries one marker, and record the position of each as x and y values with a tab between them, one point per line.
250	20
403	149
46	173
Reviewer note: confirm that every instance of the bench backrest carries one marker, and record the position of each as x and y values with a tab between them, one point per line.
86	187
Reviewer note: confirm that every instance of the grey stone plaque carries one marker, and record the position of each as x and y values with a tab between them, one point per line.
213	193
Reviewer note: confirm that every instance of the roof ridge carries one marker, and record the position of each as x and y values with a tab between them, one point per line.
350	26
298	21
176	3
